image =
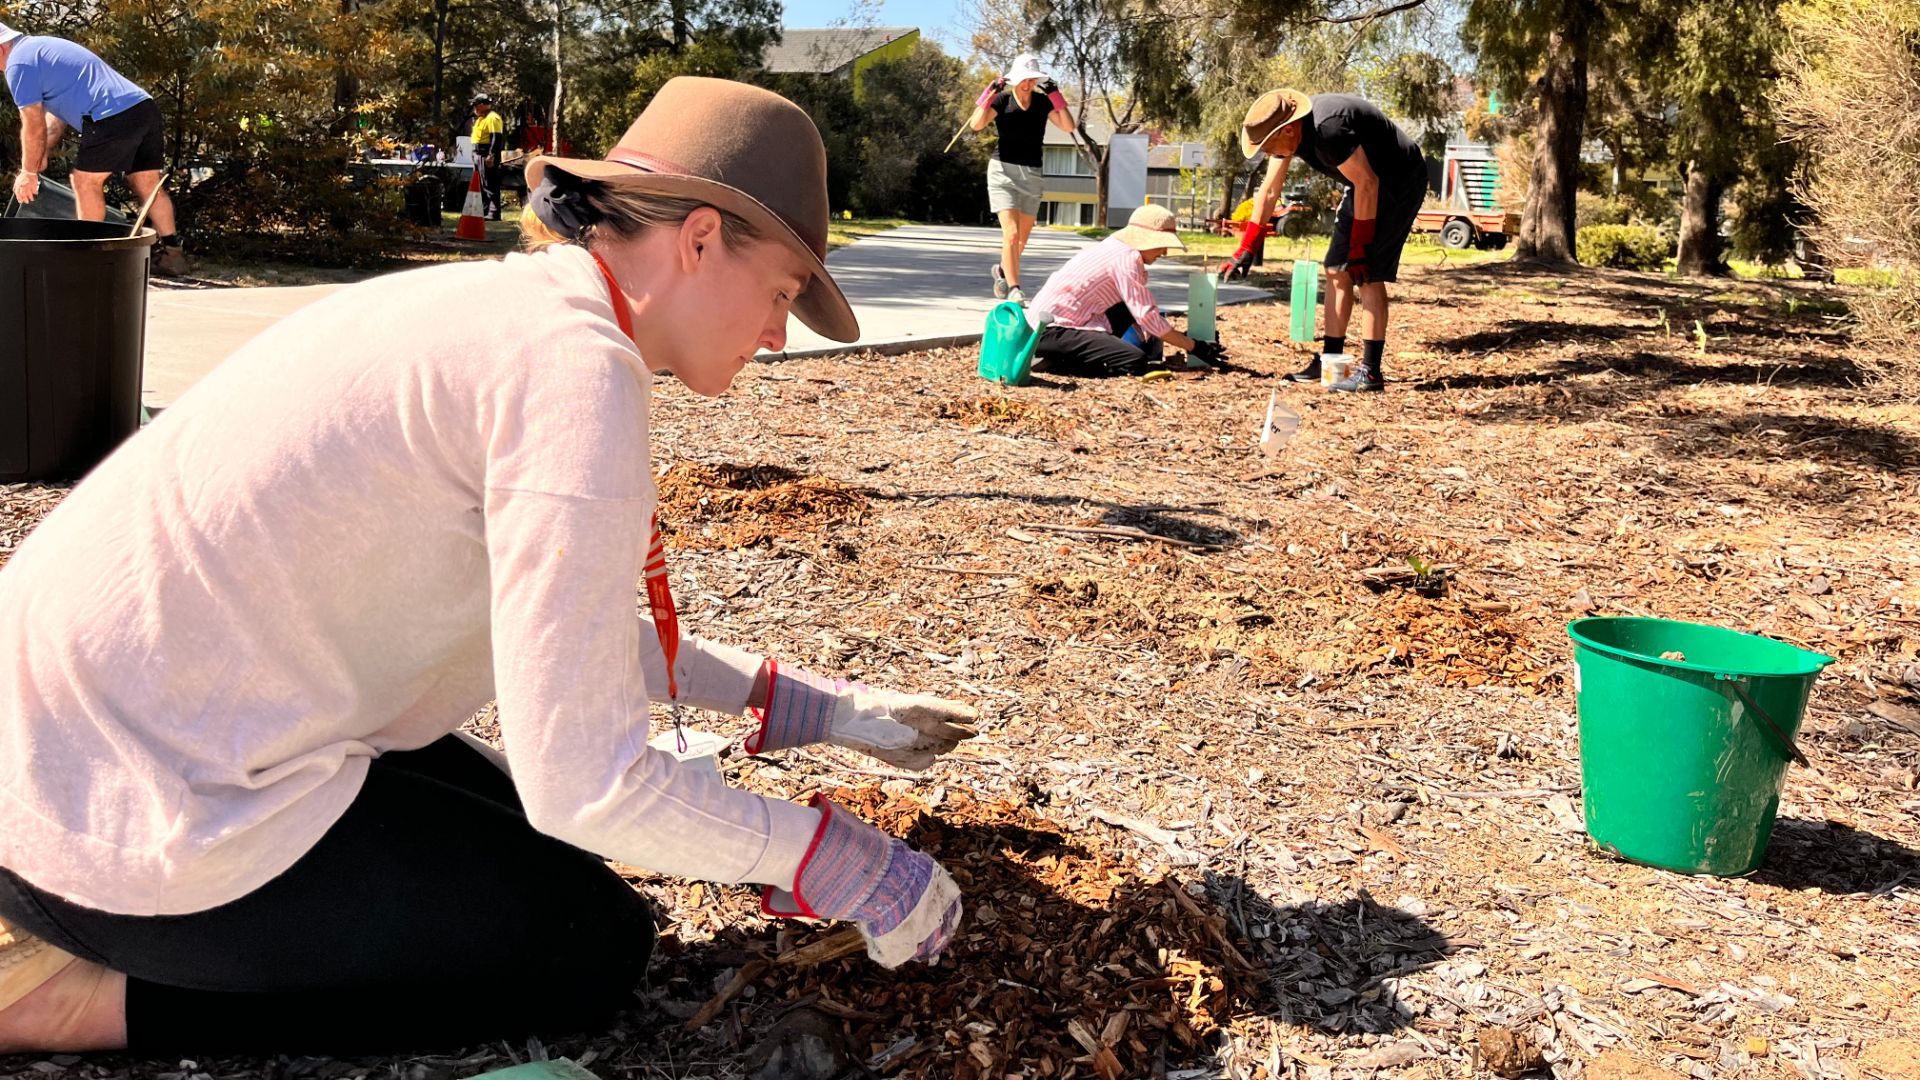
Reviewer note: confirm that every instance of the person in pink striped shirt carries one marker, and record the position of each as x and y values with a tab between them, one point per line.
1100	317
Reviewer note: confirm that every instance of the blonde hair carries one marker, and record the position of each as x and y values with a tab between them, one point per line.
626	212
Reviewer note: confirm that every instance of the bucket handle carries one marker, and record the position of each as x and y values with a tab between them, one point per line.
1780	736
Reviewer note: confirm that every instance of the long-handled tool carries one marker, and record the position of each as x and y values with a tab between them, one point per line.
961	130
146	206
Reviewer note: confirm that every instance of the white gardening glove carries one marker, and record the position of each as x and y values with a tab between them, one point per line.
904	903
905	730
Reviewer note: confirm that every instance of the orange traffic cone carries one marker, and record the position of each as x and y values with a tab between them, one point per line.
473	214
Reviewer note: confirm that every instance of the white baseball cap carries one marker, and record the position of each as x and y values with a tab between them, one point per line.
8	33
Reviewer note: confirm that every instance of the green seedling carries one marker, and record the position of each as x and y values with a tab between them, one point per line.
1700	336
1666	328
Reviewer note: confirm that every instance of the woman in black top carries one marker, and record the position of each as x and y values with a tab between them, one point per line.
1020	104
1353	142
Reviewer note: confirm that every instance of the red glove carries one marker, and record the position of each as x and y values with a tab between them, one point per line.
1357	242
1251	237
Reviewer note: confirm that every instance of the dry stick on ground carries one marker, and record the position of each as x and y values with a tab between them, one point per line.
843	943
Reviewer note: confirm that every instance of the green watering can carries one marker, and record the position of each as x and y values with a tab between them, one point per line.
1006	348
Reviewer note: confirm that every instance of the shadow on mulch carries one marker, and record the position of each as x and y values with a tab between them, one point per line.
1170	521
1667	369
1835	858
1688	433
1523	333
1060	937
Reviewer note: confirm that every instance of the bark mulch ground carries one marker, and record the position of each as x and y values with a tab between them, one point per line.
1278	774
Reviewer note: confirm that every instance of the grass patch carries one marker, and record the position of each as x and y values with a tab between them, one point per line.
844	231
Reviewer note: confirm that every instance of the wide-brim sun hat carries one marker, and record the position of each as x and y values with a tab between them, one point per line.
1269	113
1151	228
1025	66
8	33
741	149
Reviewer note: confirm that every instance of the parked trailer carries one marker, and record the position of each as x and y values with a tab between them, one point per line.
1469	215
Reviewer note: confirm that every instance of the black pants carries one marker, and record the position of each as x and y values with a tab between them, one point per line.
490	179
430	916
1094	354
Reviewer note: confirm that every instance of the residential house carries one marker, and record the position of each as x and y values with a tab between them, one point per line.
839	53
1069	187
1069	190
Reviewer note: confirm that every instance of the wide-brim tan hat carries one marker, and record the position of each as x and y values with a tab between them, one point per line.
1151	228
1270	112
744	150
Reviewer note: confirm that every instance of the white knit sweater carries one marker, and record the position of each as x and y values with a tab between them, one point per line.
363	525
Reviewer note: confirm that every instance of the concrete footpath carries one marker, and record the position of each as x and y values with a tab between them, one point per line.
918	287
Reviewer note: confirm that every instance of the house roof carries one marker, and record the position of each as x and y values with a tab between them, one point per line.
823	52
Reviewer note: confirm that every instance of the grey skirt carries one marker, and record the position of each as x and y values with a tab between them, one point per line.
1013	187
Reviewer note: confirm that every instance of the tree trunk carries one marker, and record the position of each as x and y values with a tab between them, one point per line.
346	87
1100	187
1547	221
1700	223
441	9
553	122
682	30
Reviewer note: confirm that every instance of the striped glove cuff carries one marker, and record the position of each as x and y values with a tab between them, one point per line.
856	872
799	710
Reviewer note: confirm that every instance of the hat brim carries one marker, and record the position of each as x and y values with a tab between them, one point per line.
1303	108
821	305
1140	239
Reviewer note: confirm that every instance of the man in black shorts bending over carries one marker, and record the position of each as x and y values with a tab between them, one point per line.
1385	175
59	85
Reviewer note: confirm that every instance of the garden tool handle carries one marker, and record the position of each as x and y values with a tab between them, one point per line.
1792	750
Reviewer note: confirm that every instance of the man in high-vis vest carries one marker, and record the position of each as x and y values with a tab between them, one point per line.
489	142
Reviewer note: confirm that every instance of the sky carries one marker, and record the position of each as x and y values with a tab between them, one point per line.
943	20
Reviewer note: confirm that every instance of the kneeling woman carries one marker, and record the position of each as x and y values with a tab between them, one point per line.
1100	316
233	812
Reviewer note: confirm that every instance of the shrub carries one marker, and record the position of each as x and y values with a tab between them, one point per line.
1852	74
1623	247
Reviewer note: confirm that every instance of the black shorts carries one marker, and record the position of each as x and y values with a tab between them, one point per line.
129	141
1399	206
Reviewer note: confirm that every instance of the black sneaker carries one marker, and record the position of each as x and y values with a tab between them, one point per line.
1310	373
1361	381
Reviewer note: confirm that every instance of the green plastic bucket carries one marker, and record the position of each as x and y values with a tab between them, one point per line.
1682	760
1302	305
1006	346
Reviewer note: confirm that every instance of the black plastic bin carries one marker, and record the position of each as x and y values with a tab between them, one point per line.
424	200
73	326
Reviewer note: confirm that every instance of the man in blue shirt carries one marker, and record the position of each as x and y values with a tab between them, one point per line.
60	85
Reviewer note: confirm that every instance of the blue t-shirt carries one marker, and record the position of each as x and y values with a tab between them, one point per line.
68	79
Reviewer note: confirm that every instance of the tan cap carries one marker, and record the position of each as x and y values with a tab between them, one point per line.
745	150
1270	112
1151	228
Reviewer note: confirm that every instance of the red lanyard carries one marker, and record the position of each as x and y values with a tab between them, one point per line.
666	622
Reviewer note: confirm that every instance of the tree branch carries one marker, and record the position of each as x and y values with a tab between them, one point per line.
1368	16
